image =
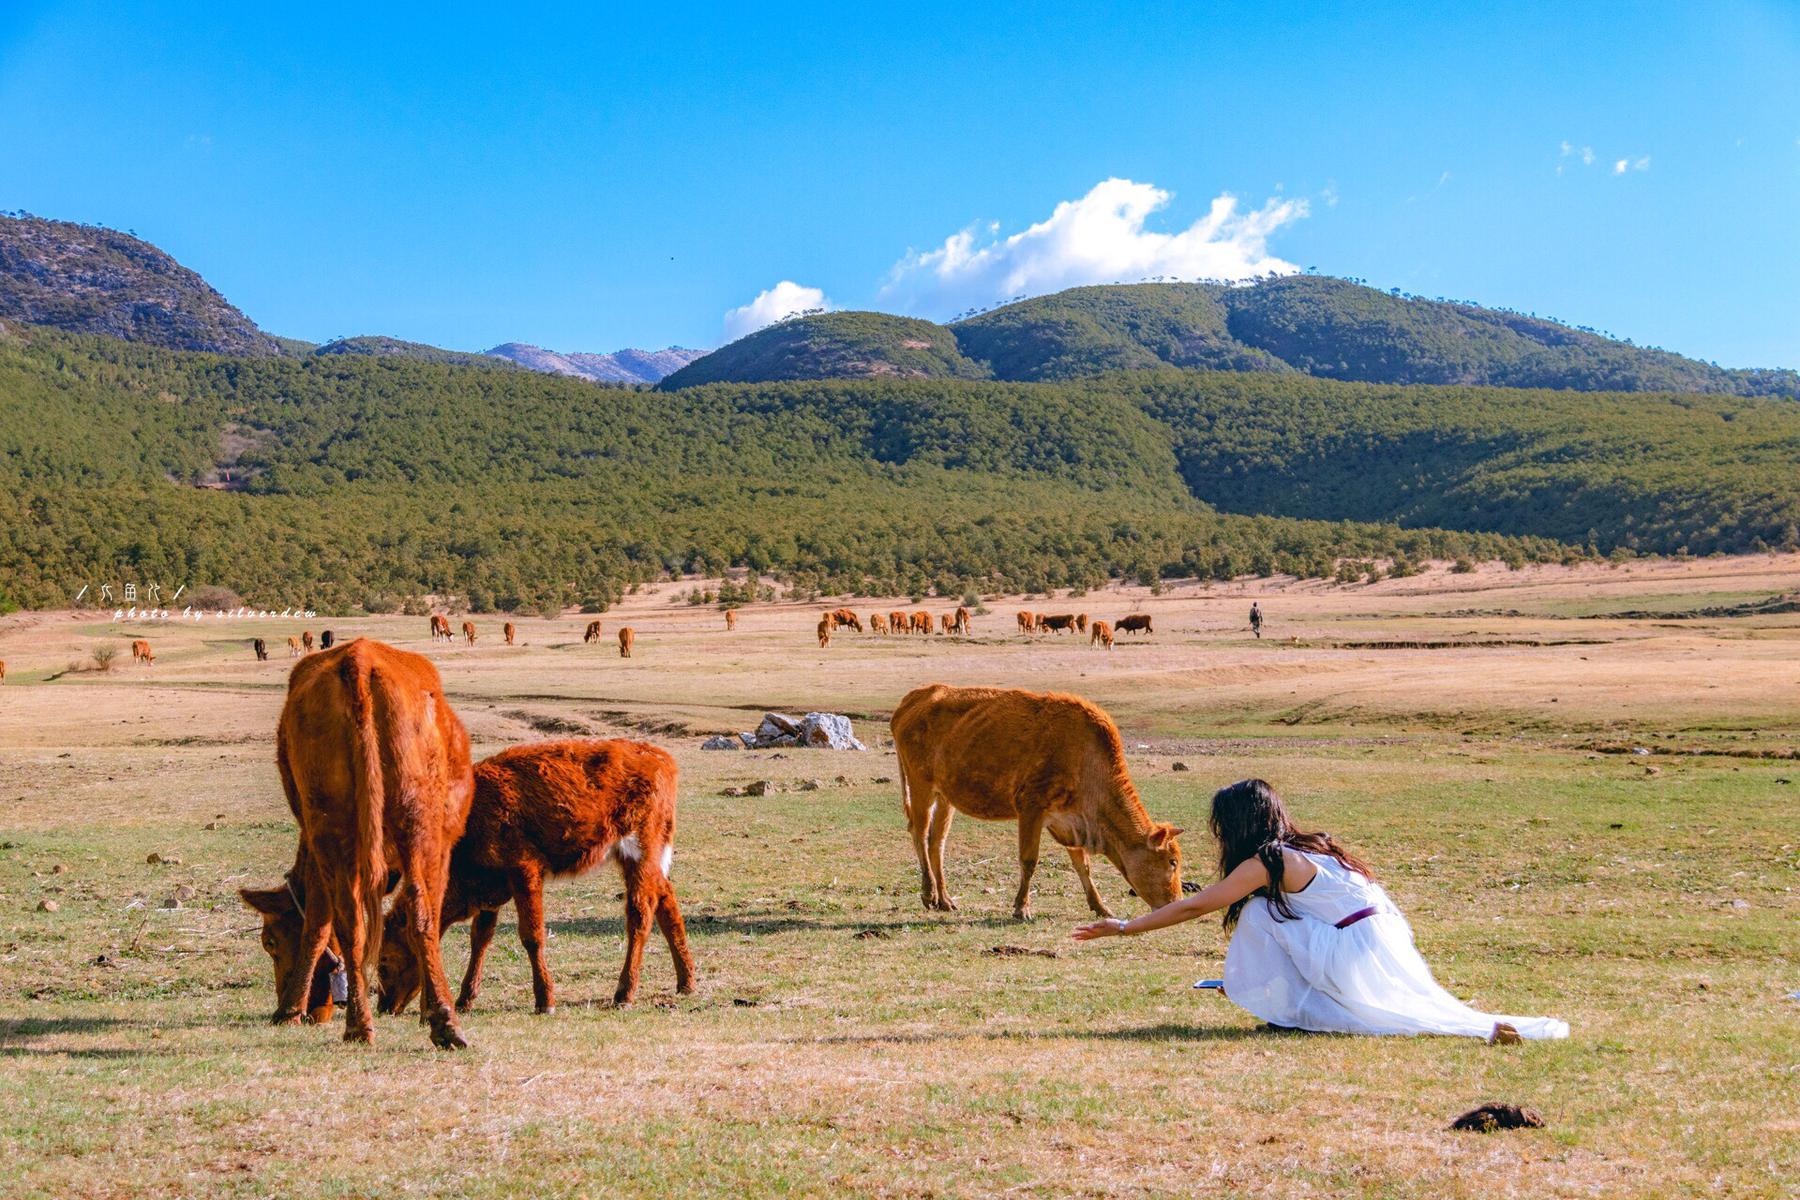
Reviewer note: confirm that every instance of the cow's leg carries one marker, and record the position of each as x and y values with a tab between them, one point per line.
1031	832
315	931
640	904
918	816
1080	858
674	931
934	845
425	883
348	919
481	936
528	901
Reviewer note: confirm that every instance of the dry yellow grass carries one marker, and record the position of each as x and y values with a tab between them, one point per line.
843	1040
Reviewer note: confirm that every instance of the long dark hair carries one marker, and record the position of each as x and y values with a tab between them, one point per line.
1249	821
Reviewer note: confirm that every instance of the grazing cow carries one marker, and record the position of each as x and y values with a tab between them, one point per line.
440	628
294	650
844	616
1061	623
1050	762
469	631
327	640
877	623
1080	622
510	632
920	622
946	624
306	640
1103	634
897	622
1137	623
962	620
825	623
626	638
553	811
375	765
1027	622
261	649
592	634
730	619
140	653
2	671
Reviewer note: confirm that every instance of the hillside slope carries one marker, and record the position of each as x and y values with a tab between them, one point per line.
621	366
86	279
837	345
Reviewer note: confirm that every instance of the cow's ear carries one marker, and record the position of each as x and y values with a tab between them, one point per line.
273	902
1162	835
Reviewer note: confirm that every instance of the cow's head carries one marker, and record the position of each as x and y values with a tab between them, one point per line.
281	922
1153	865
397	971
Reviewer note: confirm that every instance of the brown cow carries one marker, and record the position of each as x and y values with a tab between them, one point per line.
962	620
294	650
920	622
1048	761
1027	622
468	631
510	632
844	616
553	811
261	648
2	671
306	640
593	632
1080	622
897	622
440	628
1138	623
877	623
730	619
1103	634
626	638
946	624
140	653
1061	623
375	765
825	623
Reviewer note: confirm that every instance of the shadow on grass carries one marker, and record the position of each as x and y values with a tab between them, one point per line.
17	1036
1165	1032
779	923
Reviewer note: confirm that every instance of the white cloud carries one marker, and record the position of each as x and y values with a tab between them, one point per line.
1587	156
1330	194
1620	166
1099	238
1631	164
771	305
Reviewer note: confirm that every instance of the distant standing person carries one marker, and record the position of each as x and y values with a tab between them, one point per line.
1255	619
1315	942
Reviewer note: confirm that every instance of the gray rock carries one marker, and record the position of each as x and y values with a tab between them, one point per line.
720	741
1180	766
829	731
762	787
809	785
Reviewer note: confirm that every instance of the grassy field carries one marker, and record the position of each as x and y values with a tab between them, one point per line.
844	1041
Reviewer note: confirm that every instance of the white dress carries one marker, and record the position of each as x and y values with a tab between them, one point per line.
1364	978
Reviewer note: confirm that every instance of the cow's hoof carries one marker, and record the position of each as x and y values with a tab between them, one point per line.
464	1004
546	1010
364	1037
621	999
1022	914
285	1018
684	989
448	1037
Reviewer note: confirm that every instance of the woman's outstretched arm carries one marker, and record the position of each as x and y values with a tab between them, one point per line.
1245	878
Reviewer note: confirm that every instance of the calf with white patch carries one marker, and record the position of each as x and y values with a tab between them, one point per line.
554	810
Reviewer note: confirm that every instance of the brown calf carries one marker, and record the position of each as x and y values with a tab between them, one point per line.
1053	763
593	632
1102	633
920	622
468	631
1027	622
825	624
1081	622
140	653
440	628
510	632
730	619
877	623
946	624
844	616
553	811
375	765
261	648
2	671
294	650
626	639
897	622
1138	623
962	620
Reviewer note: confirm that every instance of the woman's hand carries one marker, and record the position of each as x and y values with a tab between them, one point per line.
1111	927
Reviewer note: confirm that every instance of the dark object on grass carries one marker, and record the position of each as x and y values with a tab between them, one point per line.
1492	1117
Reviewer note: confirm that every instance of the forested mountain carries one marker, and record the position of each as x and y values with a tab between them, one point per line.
838	345
387	347
621	366
345	480
88	279
1312	325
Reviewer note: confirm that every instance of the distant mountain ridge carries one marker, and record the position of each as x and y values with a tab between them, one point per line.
89	279
1314	325
621	366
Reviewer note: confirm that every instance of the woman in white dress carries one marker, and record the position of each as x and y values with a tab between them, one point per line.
1316	944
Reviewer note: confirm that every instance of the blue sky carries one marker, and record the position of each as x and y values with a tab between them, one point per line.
587	181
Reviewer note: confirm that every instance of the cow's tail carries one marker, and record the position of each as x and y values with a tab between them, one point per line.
369	794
